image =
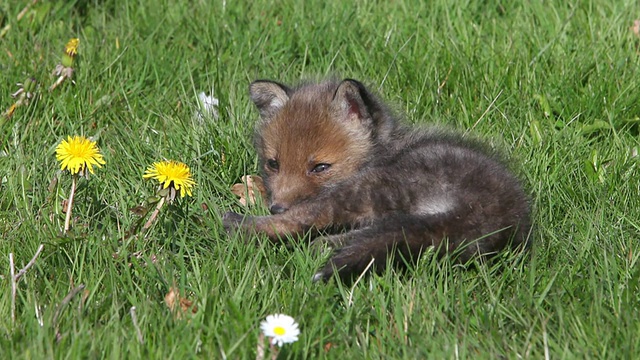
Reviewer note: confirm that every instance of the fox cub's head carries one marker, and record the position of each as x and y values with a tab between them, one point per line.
314	136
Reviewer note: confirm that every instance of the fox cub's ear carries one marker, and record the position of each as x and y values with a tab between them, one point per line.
269	96
352	101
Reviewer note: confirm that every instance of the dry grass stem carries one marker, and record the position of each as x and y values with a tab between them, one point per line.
134	319
29	264
13	289
62	305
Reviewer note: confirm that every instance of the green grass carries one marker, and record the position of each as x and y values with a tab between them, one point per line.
553	84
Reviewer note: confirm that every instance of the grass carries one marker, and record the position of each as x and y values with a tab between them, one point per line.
553	84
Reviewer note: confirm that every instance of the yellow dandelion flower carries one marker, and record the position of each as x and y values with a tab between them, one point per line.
171	173
77	154
71	48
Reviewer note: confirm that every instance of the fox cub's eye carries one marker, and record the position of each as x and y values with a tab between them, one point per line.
320	168
273	165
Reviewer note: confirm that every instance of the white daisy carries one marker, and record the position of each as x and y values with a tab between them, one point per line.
282	329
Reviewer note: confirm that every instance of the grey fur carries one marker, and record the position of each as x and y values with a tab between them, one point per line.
415	188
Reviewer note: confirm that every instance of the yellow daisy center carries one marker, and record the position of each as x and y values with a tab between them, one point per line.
279	330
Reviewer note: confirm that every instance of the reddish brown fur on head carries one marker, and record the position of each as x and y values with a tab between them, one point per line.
309	138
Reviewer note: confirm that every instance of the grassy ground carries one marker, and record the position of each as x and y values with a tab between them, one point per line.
554	84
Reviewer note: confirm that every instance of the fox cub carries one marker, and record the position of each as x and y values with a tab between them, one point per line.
336	162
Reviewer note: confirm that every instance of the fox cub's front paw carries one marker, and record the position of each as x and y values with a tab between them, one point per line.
232	221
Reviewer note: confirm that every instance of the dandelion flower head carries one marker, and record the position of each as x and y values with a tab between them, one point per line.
77	154
71	48
282	329
171	173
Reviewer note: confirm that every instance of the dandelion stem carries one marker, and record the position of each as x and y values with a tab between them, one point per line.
154	215
55	84
70	204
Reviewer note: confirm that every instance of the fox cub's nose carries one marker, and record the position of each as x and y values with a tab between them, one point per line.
277	209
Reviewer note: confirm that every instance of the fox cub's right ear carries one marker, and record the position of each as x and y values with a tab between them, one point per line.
269	96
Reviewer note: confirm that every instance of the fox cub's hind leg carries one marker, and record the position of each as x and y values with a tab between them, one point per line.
403	237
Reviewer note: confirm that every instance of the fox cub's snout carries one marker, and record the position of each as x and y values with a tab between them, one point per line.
336	162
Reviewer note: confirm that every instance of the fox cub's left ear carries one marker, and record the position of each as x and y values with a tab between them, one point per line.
352	101
269	96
